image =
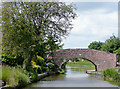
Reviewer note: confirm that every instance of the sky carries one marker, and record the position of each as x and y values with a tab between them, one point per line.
95	21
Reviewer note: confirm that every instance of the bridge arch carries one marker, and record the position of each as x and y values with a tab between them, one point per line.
100	59
84	59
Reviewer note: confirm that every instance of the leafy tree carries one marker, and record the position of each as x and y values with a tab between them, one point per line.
118	54
95	45
27	26
111	44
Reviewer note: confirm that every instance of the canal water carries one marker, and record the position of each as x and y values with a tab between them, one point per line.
75	76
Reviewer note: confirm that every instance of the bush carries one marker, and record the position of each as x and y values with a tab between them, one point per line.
12	61
27	66
44	69
118	54
51	66
34	76
111	73
40	61
14	76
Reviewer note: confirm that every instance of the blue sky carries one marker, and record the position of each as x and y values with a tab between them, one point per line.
96	21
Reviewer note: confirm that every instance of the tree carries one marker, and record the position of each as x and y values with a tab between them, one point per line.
118	54
111	44
28	25
95	45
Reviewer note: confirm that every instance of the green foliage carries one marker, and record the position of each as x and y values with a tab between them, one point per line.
12	61
40	61
111	73
34	76
29	27
118	54
14	76
111	44
61	71
95	45
36	65
40	64
51	66
23	79
27	66
119	70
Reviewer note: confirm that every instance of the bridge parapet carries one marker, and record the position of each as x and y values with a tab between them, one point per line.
101	60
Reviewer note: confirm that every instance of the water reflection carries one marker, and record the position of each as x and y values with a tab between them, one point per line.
75	76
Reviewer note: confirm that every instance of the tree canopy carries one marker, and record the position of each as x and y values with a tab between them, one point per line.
28	26
95	45
111	44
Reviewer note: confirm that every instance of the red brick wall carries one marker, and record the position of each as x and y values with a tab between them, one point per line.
100	59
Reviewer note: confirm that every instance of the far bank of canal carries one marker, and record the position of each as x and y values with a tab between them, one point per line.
75	76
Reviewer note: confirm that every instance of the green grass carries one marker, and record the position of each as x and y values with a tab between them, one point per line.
86	65
97	71
13	76
85	62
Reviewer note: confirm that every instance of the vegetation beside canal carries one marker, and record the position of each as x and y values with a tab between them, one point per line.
29	34
31	31
111	45
12	76
110	75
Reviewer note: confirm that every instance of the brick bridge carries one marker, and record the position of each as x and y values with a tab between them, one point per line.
101	60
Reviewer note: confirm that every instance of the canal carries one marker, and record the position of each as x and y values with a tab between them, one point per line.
75	76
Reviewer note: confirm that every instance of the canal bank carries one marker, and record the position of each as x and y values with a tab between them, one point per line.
75	76
40	76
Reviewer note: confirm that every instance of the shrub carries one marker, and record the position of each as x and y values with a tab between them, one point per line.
37	65
11	61
27	66
34	76
44	69
51	66
111	73
40	61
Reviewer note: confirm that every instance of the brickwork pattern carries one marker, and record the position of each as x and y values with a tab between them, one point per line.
101	60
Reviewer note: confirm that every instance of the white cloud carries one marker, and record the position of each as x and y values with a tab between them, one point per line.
92	25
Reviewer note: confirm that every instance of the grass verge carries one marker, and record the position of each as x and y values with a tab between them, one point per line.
12	76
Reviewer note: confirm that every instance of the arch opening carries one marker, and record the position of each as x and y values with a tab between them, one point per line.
78	60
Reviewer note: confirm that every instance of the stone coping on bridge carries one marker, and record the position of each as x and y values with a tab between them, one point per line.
83	49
